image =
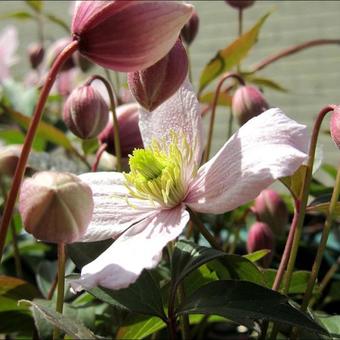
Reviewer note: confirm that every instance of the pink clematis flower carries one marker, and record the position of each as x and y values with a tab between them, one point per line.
146	209
128	35
8	46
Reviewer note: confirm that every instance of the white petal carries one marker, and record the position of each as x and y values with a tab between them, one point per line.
138	248
112	214
267	147
180	113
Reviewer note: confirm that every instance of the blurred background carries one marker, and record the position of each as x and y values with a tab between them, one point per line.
311	77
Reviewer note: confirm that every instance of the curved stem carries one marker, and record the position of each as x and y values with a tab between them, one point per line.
304	195
99	153
118	152
293	49
288	247
21	166
213	111
323	243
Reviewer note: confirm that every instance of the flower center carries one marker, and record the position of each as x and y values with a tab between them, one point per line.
158	173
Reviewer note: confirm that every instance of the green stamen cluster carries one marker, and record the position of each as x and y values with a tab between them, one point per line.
156	173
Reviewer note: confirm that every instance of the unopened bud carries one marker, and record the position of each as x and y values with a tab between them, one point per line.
55	207
190	29
154	85
129	134
271	209
261	237
36	54
248	102
335	126
240	4
86	112
9	156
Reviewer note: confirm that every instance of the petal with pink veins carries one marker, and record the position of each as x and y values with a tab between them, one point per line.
180	114
140	247
267	147
114	209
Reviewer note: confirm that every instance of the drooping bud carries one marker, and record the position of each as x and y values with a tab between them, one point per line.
55	206
335	126
190	29
272	210
128	35
240	4
260	237
36	54
248	102
154	85
129	134
86	112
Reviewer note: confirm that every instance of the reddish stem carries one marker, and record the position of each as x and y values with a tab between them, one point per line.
99	153
21	166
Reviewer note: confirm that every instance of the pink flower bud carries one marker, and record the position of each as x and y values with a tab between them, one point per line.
154	85
129	134
271	209
55	207
190	29
335	126
86	112
240	4
36	54
128	35
248	102
260	237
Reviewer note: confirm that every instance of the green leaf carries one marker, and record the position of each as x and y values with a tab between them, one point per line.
45	275
230	56
330	170
257	255
142	297
265	82
224	99
89	146
21	15
36	5
10	321
295	182
244	302
72	327
324	208
15	136
330	322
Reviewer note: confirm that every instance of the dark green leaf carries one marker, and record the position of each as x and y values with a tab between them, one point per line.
244	302
11	320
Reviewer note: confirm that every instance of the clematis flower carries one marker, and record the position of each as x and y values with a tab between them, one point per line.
146	208
8	46
128	35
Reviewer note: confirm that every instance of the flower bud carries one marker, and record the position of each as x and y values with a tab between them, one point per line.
86	112
271	209
335	126
55	49
260	237
248	102
55	206
190	29
240	4
129	134
36	54
128	35
154	85
9	156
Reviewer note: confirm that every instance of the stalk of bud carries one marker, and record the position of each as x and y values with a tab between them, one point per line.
260	237
272	210
240	4
55	207
154	85
335	126
129	134
248	102
86	112
190	29
36	54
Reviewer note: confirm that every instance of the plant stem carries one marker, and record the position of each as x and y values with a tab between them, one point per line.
202	229
184	318
304	195
213	111
116	138
288	248
323	243
293	49
61	285
99	154
21	166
